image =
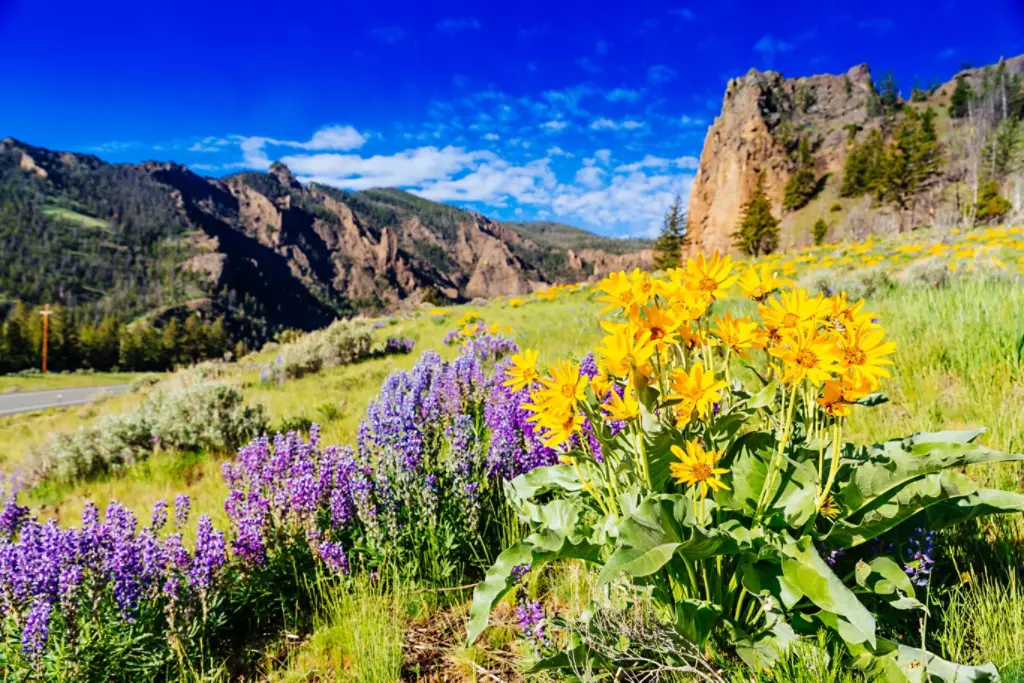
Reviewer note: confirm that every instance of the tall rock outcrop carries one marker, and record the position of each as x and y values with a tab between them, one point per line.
763	117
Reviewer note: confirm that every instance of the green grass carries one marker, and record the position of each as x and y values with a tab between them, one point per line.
58	380
70	216
357	638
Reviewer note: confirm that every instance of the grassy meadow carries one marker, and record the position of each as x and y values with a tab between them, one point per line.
953	304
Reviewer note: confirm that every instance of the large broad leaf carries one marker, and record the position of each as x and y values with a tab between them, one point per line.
661	527
763	650
526	487
792	498
889	466
695	619
899	505
803	567
762	578
559	538
889	662
980	503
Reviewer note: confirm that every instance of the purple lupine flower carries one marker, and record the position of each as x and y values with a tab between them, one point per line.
921	549
530	616
182	508
159	517
37	628
209	556
333	555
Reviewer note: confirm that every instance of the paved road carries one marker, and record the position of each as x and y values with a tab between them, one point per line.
24	401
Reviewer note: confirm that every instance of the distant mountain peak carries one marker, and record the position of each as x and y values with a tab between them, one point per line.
283	175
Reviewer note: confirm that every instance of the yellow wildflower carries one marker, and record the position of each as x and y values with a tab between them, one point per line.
710	277
863	352
625	349
523	371
696	390
696	466
625	408
758	284
807	354
737	335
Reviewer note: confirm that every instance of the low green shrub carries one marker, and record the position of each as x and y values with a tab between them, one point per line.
204	416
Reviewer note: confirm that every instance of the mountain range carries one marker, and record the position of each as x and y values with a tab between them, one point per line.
261	248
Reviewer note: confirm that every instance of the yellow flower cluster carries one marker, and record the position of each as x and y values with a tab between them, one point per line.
670	350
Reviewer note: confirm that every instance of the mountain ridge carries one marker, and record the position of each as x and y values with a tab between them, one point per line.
265	247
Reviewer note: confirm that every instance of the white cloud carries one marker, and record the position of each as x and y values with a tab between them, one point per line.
492	136
554	126
494	182
200	147
590	176
769	45
406	168
660	74
340	138
622	95
609	124
685	120
649	161
389	35
626	199
687	162
453	25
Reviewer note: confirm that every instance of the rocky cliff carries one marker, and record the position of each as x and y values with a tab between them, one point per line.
763	118
297	256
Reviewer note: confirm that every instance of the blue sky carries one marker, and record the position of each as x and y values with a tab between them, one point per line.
586	113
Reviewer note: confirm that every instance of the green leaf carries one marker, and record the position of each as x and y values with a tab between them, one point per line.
887	467
636	562
526	486
892	572
496	583
695	619
897	506
803	567
763	650
890	662
764	577
872	400
765	397
980	503
793	495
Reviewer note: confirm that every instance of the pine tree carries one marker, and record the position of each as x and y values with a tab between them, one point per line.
802	185
960	102
889	96
991	204
758	232
668	248
863	170
820	231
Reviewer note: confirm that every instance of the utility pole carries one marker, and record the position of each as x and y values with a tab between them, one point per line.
46	331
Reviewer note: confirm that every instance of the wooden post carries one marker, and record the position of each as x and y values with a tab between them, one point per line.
46	331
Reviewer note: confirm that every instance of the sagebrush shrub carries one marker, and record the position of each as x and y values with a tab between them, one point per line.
211	415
